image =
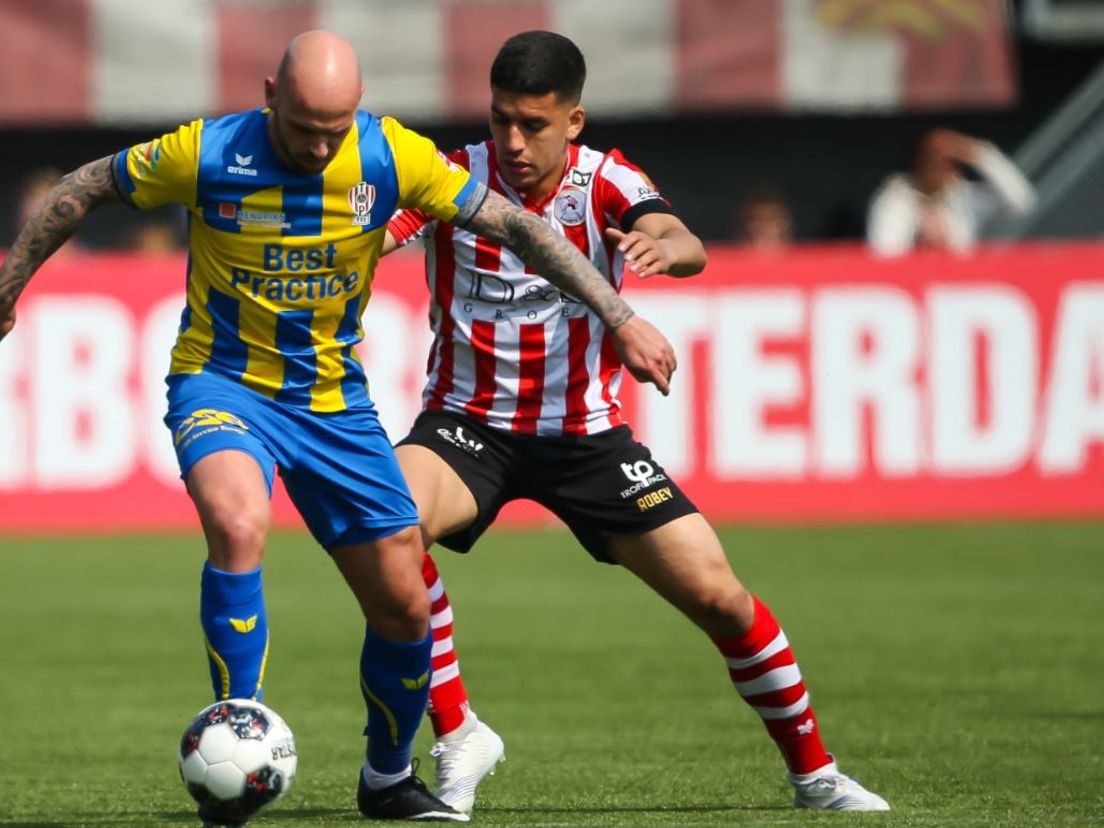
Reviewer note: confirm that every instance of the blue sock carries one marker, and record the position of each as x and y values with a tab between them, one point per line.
232	611
394	679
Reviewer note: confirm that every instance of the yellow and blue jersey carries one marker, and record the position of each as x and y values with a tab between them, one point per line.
280	263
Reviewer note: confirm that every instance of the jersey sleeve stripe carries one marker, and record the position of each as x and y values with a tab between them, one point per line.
469	200
405	224
624	186
124	184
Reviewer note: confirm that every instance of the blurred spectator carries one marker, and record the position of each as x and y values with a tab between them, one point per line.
934	205
30	196
155	237
762	221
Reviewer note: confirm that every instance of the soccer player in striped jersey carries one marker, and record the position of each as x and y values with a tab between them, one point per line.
522	403
288	207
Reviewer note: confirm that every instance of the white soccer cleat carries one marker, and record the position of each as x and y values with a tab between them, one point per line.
827	789
463	762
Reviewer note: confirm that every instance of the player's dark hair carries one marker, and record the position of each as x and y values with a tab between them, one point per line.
539	62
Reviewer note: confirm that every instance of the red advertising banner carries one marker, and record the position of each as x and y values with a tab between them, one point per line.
823	385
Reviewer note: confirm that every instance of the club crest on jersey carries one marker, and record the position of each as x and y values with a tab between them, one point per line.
361	198
570	206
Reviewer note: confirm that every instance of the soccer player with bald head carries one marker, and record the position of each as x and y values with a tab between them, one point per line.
289	205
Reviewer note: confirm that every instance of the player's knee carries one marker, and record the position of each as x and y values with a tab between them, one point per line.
413	610
236	540
724	609
403	617
403	609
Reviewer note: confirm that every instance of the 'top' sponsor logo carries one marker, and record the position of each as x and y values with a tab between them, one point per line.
643	475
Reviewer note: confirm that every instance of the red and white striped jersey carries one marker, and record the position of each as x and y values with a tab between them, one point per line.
510	349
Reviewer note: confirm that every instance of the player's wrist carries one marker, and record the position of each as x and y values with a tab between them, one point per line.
617	322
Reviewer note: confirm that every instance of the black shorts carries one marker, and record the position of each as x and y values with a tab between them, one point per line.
600	485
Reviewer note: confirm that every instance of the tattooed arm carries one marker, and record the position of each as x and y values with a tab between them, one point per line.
643	349
56	220
550	255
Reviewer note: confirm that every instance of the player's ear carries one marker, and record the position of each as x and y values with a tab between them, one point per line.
575	120
270	92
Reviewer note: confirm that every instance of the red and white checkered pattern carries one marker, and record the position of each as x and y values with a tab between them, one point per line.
132	61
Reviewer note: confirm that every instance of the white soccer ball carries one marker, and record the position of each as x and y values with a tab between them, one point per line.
235	758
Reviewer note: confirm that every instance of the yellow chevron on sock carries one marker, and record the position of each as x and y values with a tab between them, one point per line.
245	626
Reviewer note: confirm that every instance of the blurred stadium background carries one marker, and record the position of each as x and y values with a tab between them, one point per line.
819	385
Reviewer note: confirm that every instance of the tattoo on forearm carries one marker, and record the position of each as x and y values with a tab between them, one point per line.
551	255
59	217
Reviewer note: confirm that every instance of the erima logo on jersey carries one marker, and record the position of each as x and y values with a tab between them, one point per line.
242	165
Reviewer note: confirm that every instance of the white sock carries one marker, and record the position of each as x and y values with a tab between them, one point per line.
377	781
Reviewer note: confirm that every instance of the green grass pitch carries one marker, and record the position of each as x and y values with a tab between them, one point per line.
957	670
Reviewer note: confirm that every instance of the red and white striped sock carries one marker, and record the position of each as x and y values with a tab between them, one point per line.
765	674
448	700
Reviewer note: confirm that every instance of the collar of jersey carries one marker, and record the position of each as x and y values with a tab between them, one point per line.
538	206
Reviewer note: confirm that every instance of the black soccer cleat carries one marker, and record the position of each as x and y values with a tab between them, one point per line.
409	799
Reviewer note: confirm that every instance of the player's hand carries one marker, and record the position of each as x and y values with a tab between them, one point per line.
644	255
645	352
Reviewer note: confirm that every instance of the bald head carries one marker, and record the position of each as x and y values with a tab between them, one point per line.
314	98
320	71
